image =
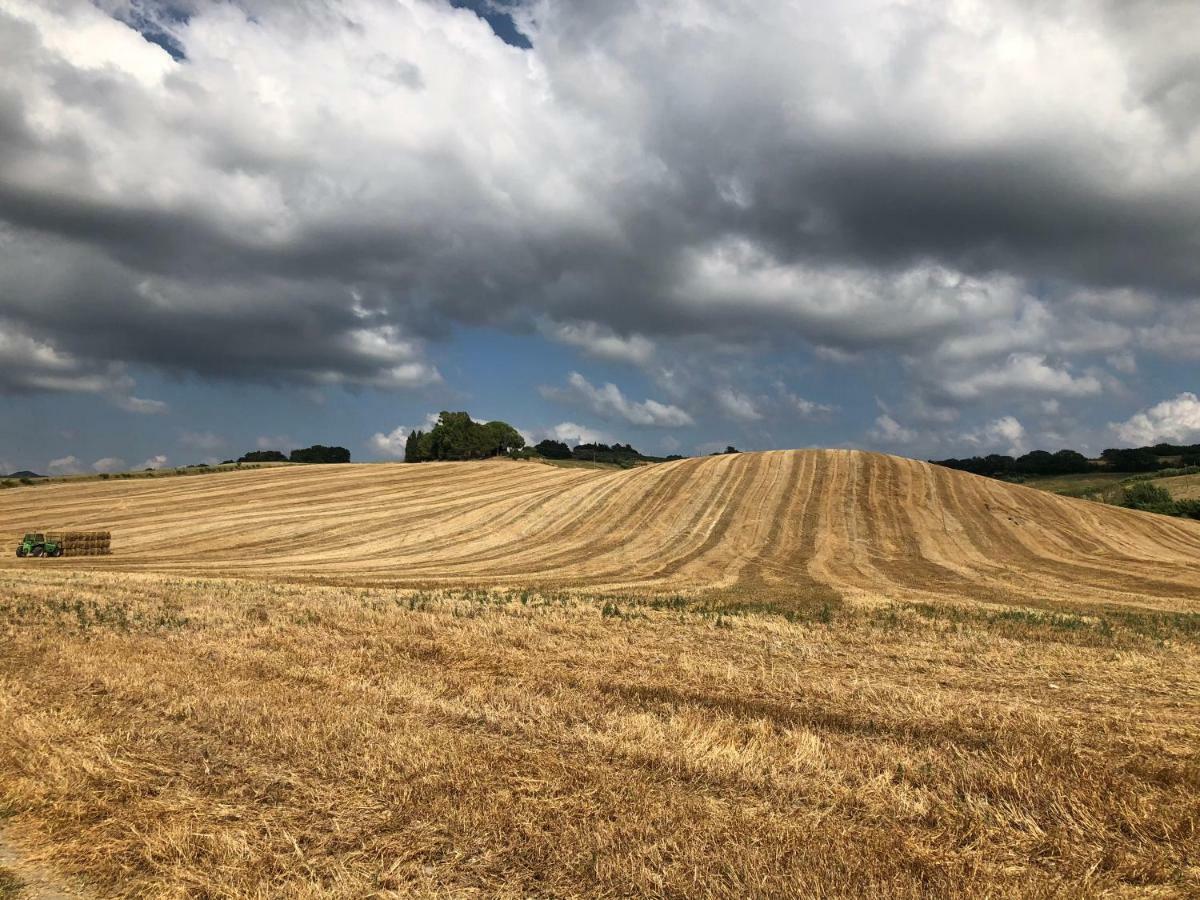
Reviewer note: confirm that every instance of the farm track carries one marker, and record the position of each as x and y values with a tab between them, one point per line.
776	523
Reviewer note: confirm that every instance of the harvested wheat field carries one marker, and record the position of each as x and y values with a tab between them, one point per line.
780	674
1182	487
782	523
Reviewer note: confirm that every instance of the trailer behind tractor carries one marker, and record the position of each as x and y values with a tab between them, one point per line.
65	543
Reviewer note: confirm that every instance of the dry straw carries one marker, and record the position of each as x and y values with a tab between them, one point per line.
83	543
167	737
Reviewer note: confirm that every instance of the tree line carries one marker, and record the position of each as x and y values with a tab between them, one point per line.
1071	462
618	454
456	436
317	453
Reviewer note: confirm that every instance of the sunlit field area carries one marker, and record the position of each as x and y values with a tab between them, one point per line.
241	701
166	736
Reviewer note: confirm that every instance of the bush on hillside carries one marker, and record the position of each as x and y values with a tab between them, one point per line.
1188	509
256	456
549	449
319	453
617	453
1149	497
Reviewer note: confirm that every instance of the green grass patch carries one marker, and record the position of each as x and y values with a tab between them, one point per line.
1147	491
1078	485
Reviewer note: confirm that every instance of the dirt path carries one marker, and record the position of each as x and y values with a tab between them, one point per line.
22	878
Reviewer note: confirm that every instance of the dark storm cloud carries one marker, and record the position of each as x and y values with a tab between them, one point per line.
989	213
313	190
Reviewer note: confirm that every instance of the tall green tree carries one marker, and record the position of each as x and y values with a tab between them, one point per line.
412	446
452	436
500	438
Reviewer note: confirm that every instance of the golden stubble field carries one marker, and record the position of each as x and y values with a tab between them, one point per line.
775	524
806	674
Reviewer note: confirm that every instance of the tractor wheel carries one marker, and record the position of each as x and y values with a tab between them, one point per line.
21	552
57	552
37	551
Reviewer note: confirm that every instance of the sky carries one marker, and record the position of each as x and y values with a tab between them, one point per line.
926	228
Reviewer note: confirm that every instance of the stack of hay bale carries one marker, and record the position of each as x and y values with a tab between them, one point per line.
83	543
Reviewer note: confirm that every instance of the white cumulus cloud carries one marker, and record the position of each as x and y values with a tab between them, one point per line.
64	465
109	464
573	433
608	402
1172	421
736	405
889	431
390	444
1022	373
602	342
1005	433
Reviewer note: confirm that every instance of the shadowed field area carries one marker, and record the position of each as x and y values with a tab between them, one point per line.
814	674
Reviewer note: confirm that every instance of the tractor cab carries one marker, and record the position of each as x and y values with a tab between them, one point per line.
35	544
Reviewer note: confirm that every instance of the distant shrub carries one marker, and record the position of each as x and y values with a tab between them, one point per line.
263	456
617	453
549	449
1164	473
1188	509
319	453
1149	497
1181	470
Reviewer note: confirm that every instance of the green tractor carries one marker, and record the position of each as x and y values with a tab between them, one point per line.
35	544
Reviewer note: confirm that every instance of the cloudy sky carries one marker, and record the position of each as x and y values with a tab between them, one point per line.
931	227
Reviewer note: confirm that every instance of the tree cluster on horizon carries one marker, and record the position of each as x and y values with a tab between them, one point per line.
1070	462
457	436
317	453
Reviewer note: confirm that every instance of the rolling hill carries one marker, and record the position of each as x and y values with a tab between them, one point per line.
784	524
